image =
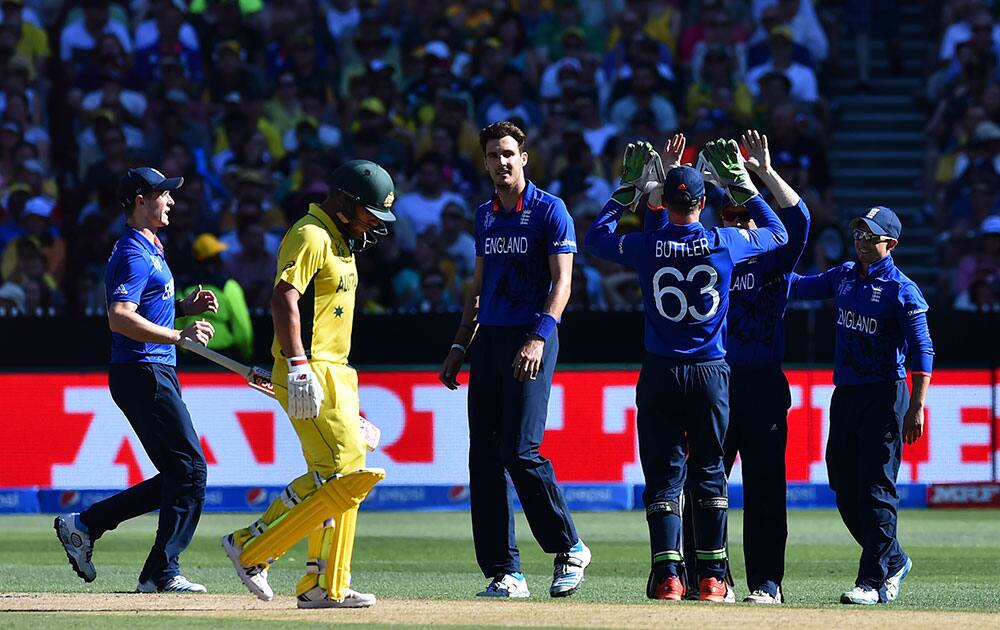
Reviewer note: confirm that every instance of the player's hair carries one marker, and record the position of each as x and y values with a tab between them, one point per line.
684	208
500	129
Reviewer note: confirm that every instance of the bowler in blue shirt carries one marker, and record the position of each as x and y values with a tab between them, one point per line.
881	322
524	265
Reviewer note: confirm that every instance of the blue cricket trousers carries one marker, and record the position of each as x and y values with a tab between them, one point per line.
150	397
683	411
506	424
863	453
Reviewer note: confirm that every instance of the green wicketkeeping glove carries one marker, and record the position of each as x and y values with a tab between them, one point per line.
722	163
642	172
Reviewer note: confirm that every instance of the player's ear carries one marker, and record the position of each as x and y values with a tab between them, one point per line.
524	158
890	245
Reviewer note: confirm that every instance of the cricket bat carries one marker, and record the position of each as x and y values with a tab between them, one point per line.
260	379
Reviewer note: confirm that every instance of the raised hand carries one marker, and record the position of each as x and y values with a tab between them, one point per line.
672	151
758	157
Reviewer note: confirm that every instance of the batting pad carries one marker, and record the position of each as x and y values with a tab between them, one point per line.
338	565
337	495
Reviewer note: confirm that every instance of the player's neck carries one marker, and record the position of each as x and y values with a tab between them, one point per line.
146	230
510	196
677	218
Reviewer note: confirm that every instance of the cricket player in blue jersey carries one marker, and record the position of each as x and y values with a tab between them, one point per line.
524	265
881	321
759	397
685	272
143	383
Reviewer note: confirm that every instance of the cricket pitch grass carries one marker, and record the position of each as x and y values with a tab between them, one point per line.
422	568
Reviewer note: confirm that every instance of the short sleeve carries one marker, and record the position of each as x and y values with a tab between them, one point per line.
126	277
559	230
302	253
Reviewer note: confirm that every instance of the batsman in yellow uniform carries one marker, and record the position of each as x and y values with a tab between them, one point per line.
313	311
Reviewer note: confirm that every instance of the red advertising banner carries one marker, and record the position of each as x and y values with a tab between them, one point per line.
63	430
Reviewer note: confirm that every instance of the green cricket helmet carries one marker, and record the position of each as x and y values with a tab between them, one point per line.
370	185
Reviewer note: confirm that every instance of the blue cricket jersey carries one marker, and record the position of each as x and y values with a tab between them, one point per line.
758	296
138	273
880	319
515	245
685	272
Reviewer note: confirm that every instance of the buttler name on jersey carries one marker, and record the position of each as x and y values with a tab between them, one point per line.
677	249
505	245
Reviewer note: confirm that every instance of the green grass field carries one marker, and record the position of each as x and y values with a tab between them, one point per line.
420	556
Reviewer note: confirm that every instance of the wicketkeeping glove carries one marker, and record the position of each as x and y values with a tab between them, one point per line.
722	164
642	172
305	395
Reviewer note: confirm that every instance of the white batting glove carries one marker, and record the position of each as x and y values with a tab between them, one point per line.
305	395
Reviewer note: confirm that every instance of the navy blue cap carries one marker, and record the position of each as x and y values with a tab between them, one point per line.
142	180
683	184
881	221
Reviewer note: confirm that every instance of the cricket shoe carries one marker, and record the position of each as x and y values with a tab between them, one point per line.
507	585
713	590
176	584
894	581
569	566
318	597
860	595
761	596
76	541
255	577
663	586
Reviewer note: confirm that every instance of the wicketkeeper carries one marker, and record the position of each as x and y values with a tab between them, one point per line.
313	310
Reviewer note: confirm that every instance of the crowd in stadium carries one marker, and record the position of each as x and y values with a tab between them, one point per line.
255	103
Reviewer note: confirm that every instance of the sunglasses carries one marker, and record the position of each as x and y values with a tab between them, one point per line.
861	235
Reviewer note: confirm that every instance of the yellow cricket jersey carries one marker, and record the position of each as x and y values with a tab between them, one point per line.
315	258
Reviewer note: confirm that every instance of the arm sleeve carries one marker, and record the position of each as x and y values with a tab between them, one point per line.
301	255
560	231
815	287
745	244
126	278
913	320
602	241
654	219
796	220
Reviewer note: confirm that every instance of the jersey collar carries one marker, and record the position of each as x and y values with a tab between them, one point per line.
880	268
529	190
154	247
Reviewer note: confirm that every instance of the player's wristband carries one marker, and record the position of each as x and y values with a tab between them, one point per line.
458	346
298	364
545	326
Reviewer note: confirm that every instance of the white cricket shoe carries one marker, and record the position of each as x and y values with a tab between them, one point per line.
507	585
176	584
76	541
761	596
569	566
894	581
255	577
860	595
318	597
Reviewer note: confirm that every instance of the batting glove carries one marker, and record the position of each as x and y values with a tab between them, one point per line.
304	392
722	163
642	172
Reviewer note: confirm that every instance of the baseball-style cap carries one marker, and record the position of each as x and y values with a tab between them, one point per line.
991	225
683	184
206	246
142	180
38	206
881	221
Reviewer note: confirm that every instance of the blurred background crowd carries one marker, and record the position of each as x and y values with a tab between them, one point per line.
255	102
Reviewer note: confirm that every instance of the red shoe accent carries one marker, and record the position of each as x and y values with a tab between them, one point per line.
669	588
712	590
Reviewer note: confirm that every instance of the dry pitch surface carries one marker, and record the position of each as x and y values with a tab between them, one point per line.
552	614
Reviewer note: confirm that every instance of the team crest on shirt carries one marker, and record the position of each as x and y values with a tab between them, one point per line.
876	294
156	263
525	216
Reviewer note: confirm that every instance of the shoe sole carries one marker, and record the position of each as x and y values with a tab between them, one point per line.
517	596
567	592
848	600
72	561
328	604
235	559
